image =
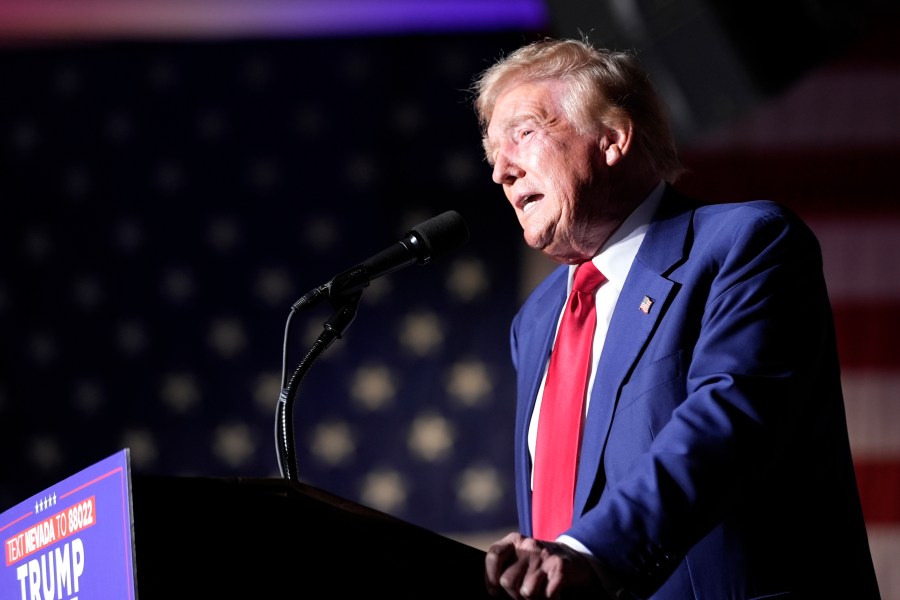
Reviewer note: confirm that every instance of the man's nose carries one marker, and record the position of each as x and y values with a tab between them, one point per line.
506	170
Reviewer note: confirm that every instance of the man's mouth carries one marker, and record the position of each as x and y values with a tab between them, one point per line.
527	202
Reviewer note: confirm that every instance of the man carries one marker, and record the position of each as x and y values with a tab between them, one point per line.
714	460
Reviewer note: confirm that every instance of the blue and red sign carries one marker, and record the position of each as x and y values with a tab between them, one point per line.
73	540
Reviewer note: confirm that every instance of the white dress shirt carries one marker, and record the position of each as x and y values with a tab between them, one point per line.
614	261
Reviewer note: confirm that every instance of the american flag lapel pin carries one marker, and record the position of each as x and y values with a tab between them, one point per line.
646	303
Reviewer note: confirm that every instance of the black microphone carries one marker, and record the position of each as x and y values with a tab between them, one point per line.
426	241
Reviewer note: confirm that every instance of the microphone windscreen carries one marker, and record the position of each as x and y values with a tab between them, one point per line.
443	233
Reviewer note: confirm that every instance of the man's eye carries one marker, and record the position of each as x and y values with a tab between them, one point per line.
525	133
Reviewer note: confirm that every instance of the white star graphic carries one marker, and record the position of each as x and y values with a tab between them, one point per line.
470	383
431	437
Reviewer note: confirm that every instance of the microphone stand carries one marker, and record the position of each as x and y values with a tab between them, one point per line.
344	312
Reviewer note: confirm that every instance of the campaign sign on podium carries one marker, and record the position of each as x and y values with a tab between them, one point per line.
73	540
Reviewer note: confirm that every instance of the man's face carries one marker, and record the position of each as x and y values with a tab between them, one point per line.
555	178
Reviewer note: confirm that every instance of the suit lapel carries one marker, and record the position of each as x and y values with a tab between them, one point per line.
537	334
631	328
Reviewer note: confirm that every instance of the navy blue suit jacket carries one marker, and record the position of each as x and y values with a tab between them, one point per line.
715	461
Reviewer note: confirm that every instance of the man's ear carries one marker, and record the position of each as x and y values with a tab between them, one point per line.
618	141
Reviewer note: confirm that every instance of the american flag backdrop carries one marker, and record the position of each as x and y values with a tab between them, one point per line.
166	201
829	148
166	205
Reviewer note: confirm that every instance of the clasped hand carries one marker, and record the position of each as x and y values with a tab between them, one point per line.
530	569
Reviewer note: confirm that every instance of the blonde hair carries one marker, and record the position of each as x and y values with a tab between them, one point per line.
604	87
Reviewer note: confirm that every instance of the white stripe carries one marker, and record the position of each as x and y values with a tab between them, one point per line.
860	257
884	542
828	109
872	401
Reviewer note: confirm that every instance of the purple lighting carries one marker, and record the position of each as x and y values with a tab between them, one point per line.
374	16
61	19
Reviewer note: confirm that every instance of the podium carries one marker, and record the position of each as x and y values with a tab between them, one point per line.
275	538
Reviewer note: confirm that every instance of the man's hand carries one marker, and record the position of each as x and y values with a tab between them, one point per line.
530	569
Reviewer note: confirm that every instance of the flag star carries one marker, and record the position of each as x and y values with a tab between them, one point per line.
267	391
384	490
142	447
453	63
223	234
408	118
119	127
44	452
479	488
373	387
128	236
180	392
169	176
178	285
469	382
88	396
233	444
161	75
322	233
227	337
459	169
333	443
421	333
361	171
355	68
257	73
431	437
42	348
131	338
87	293
273	286
263	174
67	81
211	125
76	182
25	137
37	244
309	121
467	279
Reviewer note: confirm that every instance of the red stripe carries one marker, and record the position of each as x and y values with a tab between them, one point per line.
867	334
879	490
828	181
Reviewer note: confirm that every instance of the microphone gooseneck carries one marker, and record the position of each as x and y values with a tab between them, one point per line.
426	241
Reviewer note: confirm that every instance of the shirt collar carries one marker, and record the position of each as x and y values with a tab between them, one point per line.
617	254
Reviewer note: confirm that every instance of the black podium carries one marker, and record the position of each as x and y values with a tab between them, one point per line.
273	538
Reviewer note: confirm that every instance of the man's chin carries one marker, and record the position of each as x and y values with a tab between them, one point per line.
539	240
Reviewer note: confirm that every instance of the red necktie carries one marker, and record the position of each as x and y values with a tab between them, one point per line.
562	409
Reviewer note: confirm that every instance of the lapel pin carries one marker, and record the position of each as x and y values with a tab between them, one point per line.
646	303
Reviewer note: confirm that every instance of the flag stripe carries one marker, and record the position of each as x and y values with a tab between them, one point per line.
884	541
872	400
859	255
816	182
866	334
879	489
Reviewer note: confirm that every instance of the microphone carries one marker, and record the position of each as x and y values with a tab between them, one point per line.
426	241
